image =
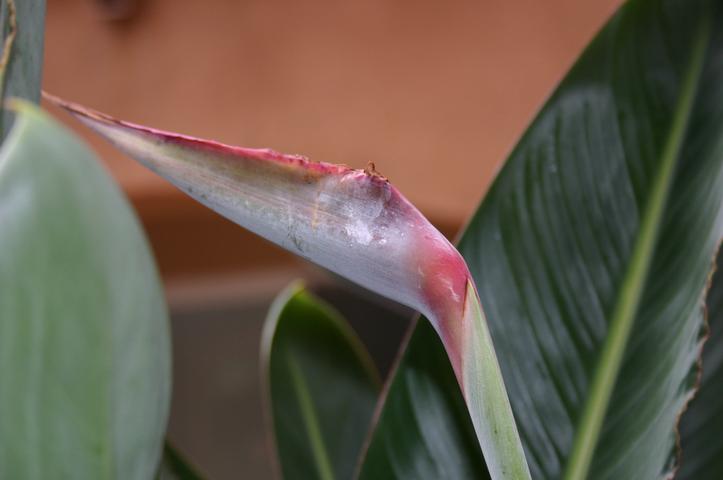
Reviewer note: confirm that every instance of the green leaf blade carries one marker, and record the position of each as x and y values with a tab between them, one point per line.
701	427
555	244
84	343
424	430
321	386
628	303
553	238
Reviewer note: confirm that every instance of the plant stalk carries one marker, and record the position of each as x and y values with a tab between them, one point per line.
8	44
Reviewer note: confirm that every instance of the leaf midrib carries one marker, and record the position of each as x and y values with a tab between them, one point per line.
633	284
311	421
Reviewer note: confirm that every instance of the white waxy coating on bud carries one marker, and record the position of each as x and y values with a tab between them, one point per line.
356	224
352	222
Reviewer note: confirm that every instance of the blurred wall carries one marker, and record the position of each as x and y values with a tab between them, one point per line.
435	93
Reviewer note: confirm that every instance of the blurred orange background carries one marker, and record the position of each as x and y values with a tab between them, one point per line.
435	93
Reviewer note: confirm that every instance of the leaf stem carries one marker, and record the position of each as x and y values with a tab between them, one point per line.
486	396
8	44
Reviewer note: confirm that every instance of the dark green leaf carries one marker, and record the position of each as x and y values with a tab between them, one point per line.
592	248
701	428
321	384
84	343
23	73
424	431
175	467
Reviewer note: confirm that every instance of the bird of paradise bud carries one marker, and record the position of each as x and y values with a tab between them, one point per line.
354	223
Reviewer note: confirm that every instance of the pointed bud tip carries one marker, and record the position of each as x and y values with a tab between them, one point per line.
92	117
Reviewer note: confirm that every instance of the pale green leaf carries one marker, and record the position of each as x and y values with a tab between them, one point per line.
84	341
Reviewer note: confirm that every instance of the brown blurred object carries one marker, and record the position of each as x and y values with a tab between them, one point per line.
435	93
117	9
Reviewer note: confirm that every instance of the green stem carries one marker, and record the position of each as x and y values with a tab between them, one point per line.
8	44
486	396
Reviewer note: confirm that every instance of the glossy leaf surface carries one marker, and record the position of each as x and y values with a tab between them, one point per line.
424	431
23	72
84	343
321	387
701	427
606	213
